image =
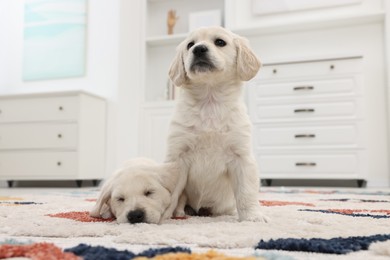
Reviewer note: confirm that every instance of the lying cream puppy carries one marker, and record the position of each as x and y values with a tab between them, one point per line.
138	192
210	134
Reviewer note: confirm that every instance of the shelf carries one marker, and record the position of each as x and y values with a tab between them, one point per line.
312	58
332	22
280	28
166	39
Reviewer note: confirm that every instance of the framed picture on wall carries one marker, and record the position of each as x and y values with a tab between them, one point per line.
54	43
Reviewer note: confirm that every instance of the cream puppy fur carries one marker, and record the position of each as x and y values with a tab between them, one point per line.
138	192
210	134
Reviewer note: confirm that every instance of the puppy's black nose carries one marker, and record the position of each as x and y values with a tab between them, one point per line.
136	216
200	50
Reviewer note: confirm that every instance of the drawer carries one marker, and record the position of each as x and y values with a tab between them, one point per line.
306	89
36	165
308	111
309	163
338	135
39	109
310	68
38	136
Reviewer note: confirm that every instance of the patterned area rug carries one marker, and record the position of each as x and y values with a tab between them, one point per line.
304	224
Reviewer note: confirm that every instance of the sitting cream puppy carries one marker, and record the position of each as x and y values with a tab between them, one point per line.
139	192
210	134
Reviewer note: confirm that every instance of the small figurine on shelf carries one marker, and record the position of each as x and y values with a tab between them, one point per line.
171	21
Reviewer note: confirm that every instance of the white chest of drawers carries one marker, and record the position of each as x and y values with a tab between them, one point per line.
52	136
309	119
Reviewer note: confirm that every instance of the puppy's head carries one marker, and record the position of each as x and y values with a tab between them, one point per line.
216	51
138	193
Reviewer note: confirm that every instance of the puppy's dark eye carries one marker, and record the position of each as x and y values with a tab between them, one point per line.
120	199
189	45
220	43
147	193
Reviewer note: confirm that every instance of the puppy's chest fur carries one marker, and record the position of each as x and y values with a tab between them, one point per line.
211	116
212	125
212	122
211	150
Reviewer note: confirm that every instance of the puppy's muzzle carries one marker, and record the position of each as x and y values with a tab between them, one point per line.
201	61
136	216
200	51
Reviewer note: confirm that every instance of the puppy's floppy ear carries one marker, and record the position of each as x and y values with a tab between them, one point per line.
247	63
102	206
177	72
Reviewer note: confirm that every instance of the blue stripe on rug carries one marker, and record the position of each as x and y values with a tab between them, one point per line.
358	200
99	252
345	214
21	203
337	245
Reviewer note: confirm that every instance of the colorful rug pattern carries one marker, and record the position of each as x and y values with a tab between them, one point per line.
56	225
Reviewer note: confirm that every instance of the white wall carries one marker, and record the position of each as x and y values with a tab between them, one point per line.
101	52
124	113
112	67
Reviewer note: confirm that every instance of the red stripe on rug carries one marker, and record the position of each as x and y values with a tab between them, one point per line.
38	251
271	203
82	216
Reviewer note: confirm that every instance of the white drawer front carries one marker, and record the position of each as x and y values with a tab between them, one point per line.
39	109
309	69
295	164
34	165
304	89
344	109
38	136
347	135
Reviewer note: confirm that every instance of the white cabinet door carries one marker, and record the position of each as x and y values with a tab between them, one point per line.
35	165
38	109
310	164
155	134
38	136
346	135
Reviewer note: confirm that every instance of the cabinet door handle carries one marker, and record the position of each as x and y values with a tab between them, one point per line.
300	88
305	136
59	163
304	110
59	135
305	164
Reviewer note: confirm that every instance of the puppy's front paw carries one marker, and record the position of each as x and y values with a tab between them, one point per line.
254	215
179	213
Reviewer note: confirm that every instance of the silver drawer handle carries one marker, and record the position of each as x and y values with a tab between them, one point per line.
59	135
305	164
305	136
59	163
304	110
60	108
299	88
